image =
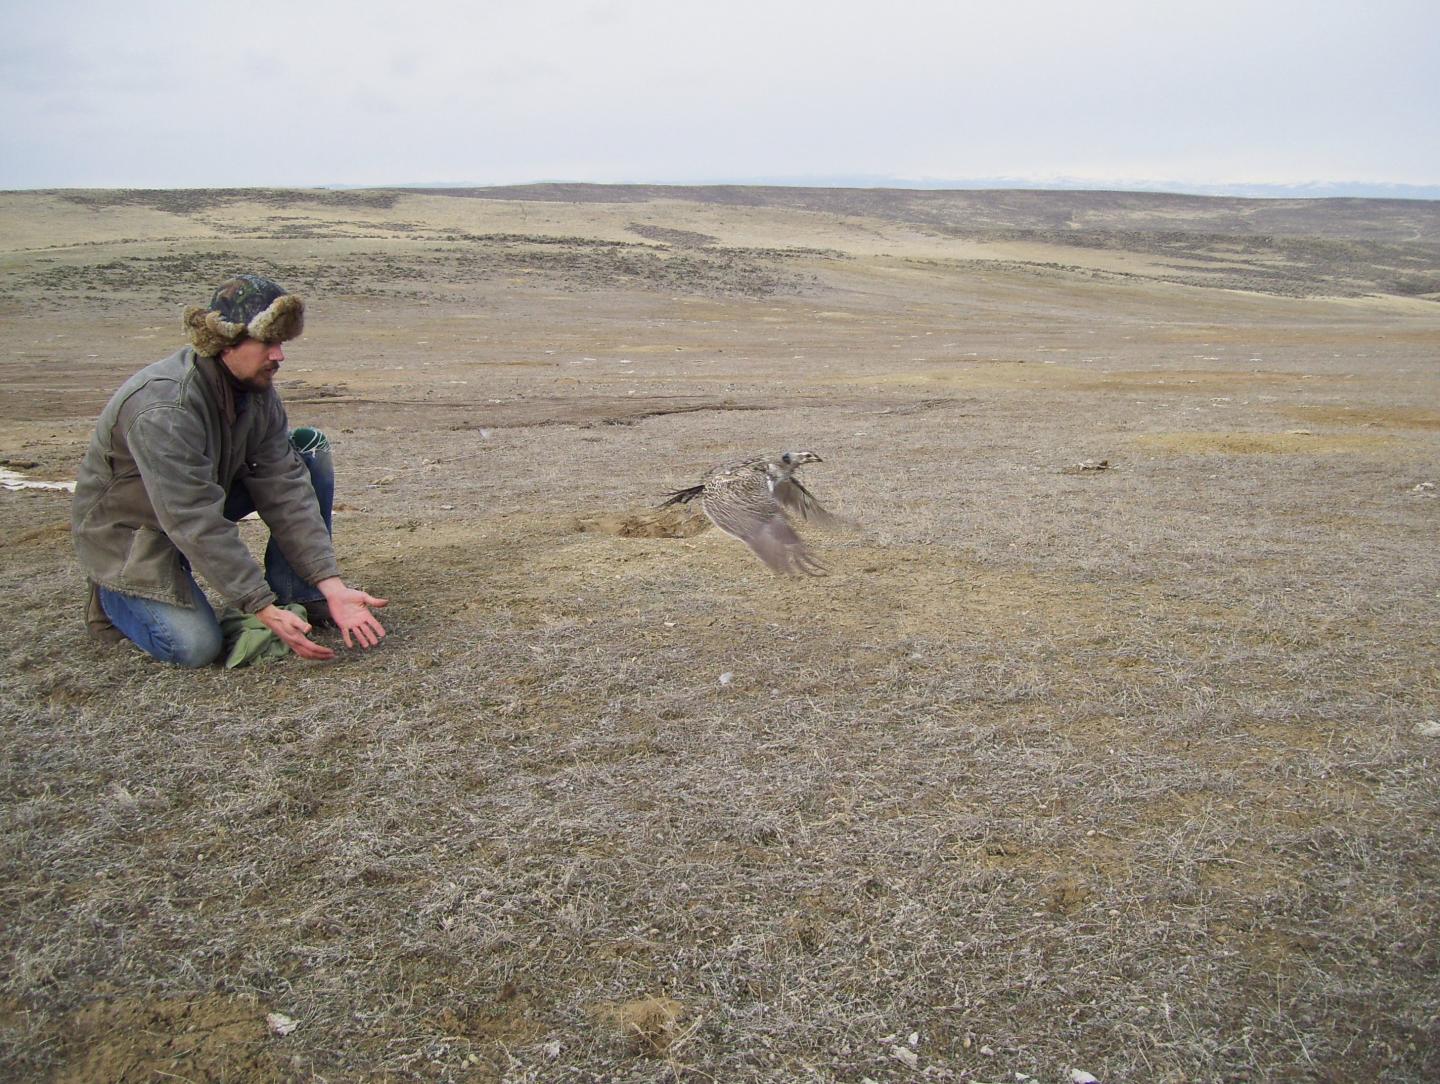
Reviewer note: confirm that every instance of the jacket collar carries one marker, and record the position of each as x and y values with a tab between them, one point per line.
228	395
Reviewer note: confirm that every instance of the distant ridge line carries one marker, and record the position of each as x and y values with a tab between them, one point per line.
1035	213
1306	190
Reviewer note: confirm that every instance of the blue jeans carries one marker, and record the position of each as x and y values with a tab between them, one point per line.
190	635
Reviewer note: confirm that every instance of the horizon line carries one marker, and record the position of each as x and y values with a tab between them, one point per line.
1237	189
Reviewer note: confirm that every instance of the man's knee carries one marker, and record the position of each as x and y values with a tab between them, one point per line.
197	648
191	644
307	440
314	449
185	636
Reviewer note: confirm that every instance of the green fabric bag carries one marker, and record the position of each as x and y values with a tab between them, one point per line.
247	640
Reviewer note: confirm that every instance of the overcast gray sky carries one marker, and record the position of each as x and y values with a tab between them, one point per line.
159	93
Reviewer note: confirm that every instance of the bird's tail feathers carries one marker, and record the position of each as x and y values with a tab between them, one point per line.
683	496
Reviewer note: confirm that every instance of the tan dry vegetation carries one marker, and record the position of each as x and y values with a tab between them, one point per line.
1121	769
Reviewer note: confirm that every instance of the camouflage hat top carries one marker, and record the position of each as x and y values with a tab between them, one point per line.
247	306
244	297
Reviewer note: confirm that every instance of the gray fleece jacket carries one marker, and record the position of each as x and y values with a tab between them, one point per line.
167	449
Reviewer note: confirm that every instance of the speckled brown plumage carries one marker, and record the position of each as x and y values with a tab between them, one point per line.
749	499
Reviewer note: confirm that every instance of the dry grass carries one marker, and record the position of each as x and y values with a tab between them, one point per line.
1116	770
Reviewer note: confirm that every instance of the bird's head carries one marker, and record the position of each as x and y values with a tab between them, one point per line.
796	459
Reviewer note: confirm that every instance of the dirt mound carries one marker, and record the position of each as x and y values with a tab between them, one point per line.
132	1039
650	1024
670	523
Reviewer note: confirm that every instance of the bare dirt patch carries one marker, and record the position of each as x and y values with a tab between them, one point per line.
665	523
1372	418
1303	442
210	1038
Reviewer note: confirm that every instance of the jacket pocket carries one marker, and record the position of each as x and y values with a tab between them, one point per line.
152	563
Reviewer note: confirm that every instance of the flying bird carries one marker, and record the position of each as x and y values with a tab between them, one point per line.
749	499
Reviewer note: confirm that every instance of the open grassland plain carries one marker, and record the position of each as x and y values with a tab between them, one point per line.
1108	744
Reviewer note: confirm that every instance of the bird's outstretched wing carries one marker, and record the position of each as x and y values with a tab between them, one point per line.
794	497
742	506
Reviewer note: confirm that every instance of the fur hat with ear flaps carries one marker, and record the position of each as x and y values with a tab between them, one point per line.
247	306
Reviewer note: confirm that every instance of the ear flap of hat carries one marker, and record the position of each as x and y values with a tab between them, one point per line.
281	322
210	332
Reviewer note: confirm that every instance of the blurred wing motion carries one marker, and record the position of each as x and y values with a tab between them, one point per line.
748	499
794	497
743	506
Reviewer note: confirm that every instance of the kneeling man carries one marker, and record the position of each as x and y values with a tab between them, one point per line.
187	447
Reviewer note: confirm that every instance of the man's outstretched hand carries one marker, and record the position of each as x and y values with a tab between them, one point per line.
350	610
291	628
